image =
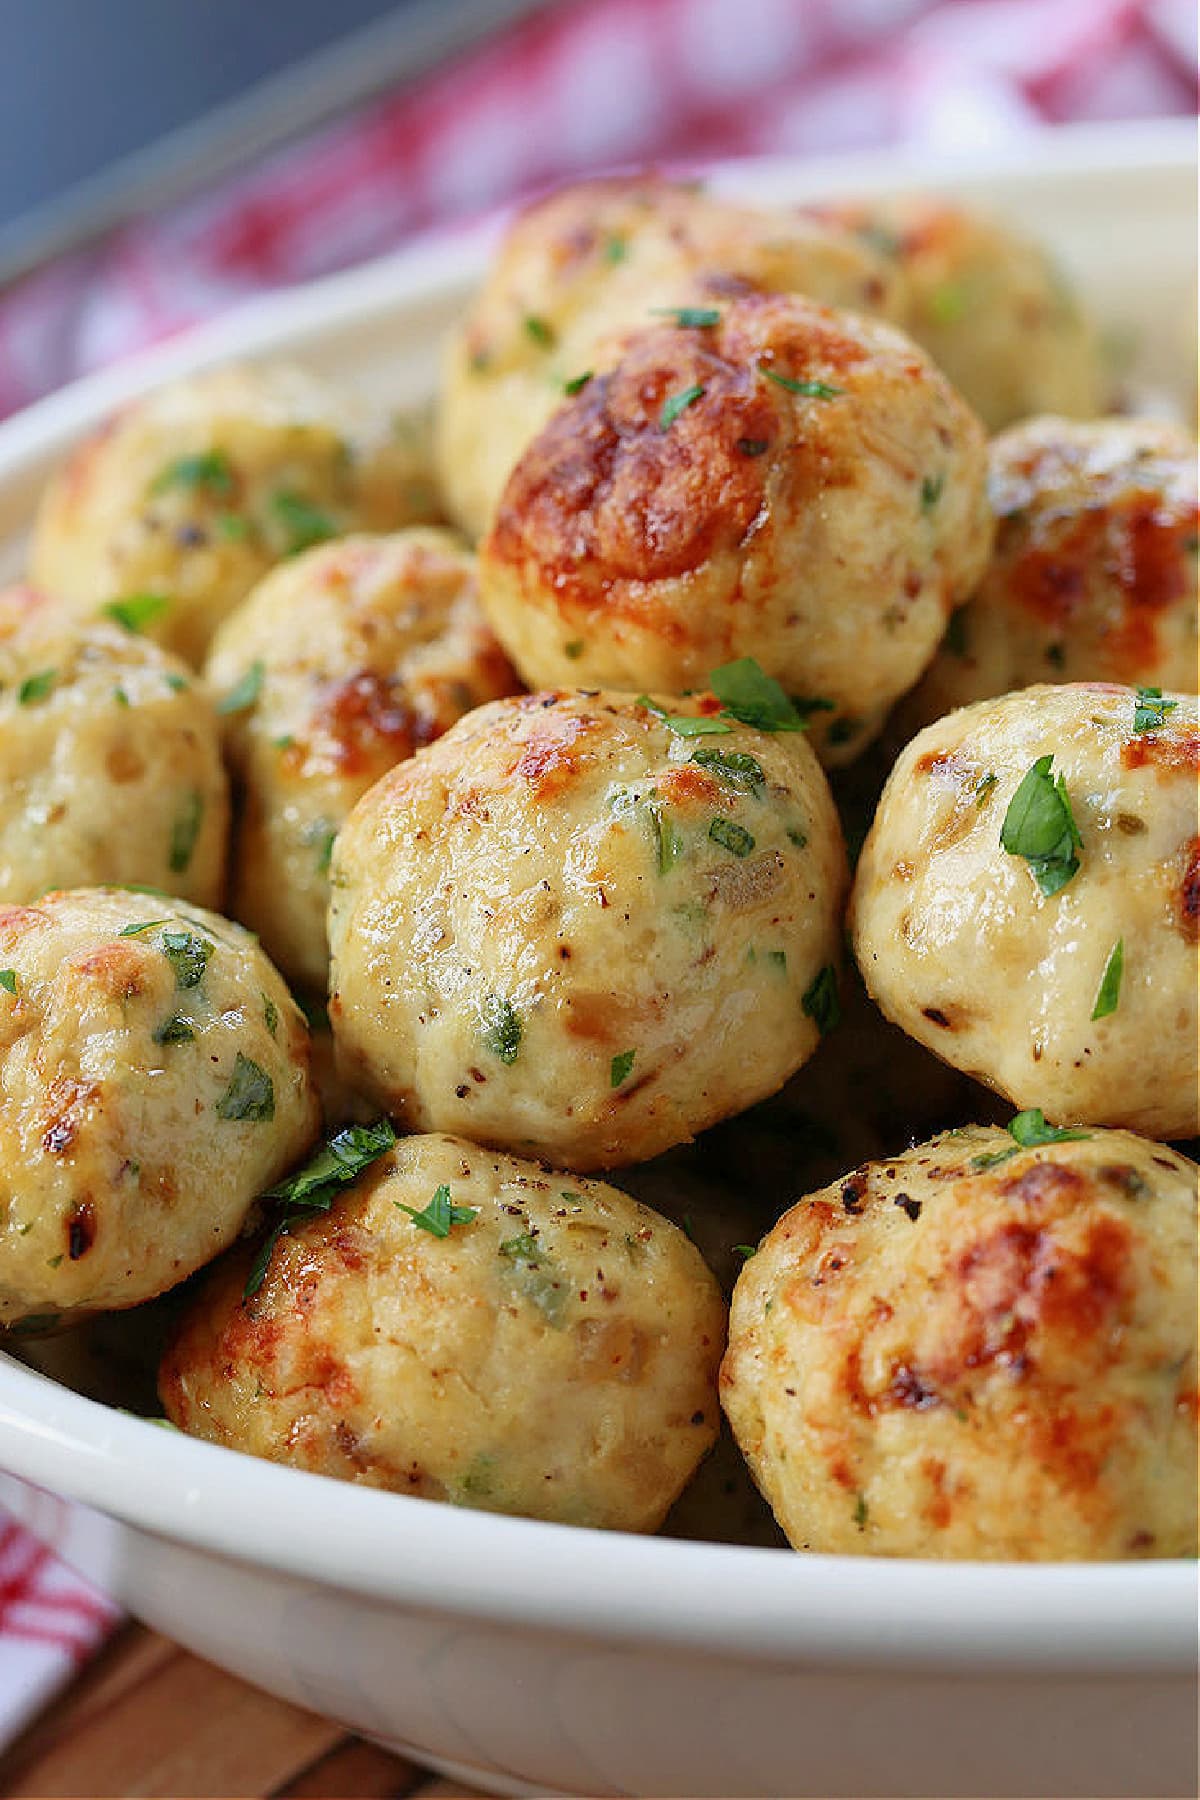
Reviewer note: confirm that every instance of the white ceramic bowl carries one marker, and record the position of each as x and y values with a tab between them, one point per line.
524	1656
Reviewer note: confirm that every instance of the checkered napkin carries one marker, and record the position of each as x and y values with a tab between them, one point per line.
570	88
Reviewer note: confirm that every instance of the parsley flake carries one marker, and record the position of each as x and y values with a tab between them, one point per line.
536	1276
175	1030
735	768
134	612
811	390
244	692
574	649
1029	1130
303	523
616	250
1108	994
501	1028
539	330
620	1067
731	836
931	491
8	980
186	952
668	844
821	1002
746	1251
1150	709
140	925
577	383
754	698
184	833
37	687
1040	826
678	403
684	725
207	469
984	786
440	1217
700	317
250	1094
340	1160
270	1014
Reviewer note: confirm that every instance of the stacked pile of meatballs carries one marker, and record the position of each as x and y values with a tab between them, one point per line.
555	827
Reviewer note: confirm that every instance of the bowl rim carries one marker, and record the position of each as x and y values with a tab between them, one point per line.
757	1604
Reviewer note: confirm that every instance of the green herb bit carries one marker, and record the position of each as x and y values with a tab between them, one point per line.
233	528
538	329
798	838
955	639
537	1276
931	491
983	788
1108	994
501	1028
821	1002
178	684
1150	709
304	523
250	1094
577	383
184	833
574	649
270	1014
245	692
207	469
8	980
1040	826
684	725
700	317
860	1511
137	611
668	844
440	1217
37	687
1029	1131
746	1251
755	698
948	303
811	390
120	696
731	836
175	1030
140	925
340	1160
678	403
735	768
616	250
187	954
620	1068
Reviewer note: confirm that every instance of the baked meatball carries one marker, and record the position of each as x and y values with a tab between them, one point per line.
1028	899
341	663
465	1326
1094	571
110	757
567	929
153	1080
991	307
585	265
787	483
978	1351
170	513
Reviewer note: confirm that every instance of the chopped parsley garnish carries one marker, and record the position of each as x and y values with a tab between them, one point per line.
677	403
8	980
178	684
120	696
821	1002
245	692
140	925
684	725
574	649
931	491
184	833
37	687
731	836
811	390
1029	1129
175	1030
270	1014
250	1094
536	1275
1150	709
860	1511
699	316
754	698
136	611
797	837
501	1028
1108	994
539	330
984	786
948	303
616	250
313	1189
207	469
325	842
233	528
735	768
441	1216
746	1251
1040	826
187	954
668	844
955	639
753	446
577	383
620	1067
304	523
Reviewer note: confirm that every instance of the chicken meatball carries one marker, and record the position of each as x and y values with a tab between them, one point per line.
585	926
989	305
1028	900
784	482
978	1350
111	760
1094	571
392	650
153	1080
465	1326
168	515
591	262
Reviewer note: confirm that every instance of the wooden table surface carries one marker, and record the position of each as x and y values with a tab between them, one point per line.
147	1718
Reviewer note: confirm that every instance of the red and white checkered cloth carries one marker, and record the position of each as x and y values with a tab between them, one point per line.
593	83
